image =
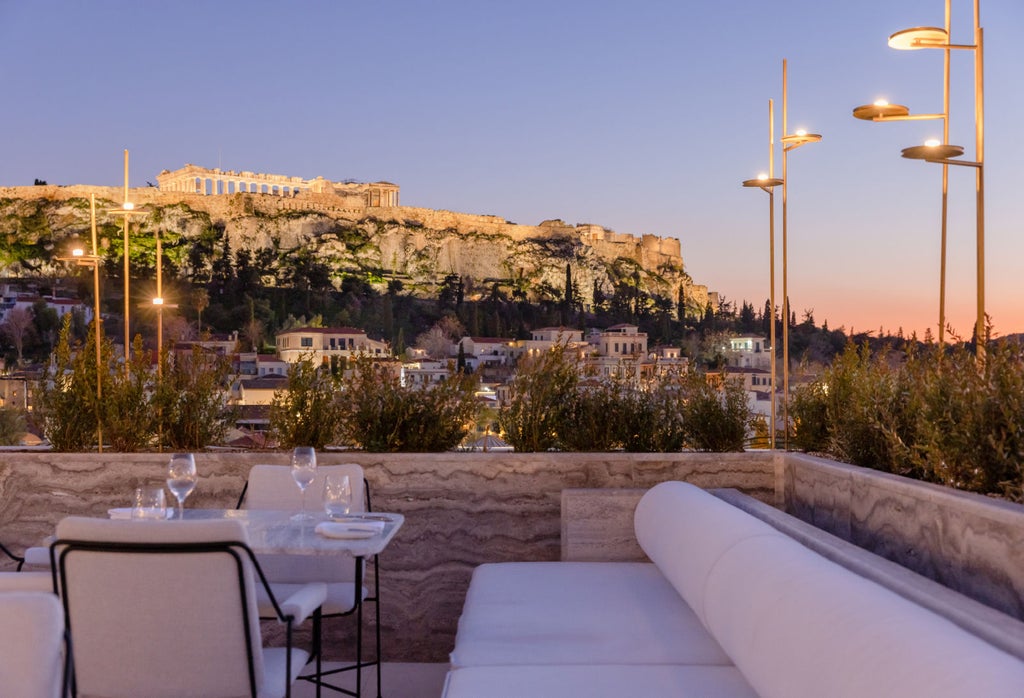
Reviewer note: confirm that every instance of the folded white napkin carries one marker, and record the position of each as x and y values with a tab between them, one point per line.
350	529
126	513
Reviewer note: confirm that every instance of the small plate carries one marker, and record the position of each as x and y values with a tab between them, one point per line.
126	513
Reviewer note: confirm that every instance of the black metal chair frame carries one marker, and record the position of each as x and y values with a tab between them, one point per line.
238	552
357	609
6	551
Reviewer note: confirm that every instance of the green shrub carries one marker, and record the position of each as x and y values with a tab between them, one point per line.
128	417
595	417
654	419
715	415
308	412
934	415
191	400
65	402
535	417
12	426
379	414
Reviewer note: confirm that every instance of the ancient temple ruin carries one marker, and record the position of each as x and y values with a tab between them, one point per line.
192	179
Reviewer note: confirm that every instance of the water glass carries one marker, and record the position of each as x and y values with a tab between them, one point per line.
150	503
337	495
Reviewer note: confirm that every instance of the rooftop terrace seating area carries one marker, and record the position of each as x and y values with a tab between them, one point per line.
464	510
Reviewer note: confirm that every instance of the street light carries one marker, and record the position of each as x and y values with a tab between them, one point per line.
767	183
943	153
127	210
80	258
790	141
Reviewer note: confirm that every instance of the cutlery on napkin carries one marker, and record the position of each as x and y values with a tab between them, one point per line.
349	529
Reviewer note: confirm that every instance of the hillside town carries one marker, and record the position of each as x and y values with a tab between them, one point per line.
620	352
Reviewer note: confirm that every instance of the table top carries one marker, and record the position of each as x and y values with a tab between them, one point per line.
273	532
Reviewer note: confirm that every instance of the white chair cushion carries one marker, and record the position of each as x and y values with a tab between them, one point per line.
685	530
340	597
37	556
604	681
578	613
275	665
800	626
31	644
26	581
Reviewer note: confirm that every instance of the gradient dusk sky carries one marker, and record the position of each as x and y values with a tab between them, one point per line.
643	117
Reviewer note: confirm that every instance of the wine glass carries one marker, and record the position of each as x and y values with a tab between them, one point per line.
337	496
303	472
181	478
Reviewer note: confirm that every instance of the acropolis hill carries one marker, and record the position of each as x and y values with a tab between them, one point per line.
360	228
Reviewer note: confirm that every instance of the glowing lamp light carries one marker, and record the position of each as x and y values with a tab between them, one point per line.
801	132
158	301
78	252
128	206
762	176
881	102
932	142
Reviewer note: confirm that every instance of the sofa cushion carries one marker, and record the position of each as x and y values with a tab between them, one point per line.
578	613
606	681
685	530
798	625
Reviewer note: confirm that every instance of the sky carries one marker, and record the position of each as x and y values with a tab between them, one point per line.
643	117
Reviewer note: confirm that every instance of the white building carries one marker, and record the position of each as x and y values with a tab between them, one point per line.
322	343
749	351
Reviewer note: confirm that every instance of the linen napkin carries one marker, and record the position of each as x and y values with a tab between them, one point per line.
349	529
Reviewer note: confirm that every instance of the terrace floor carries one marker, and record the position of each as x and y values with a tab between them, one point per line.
401	680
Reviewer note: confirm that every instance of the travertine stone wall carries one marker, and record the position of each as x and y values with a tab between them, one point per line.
967	542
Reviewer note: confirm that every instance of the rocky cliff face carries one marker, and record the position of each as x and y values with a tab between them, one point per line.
419	246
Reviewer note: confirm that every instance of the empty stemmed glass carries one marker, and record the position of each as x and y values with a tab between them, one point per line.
181	478
303	472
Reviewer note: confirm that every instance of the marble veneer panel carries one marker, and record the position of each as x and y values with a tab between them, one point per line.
597	525
967	542
460	510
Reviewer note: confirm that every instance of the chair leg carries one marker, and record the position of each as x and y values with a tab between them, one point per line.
359	628
376	605
318	646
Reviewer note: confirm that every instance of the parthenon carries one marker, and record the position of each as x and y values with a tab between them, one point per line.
192	179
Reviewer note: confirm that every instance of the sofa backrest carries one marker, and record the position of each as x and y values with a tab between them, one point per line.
685	531
796	624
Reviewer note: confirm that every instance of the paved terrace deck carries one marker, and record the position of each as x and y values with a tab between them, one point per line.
465	509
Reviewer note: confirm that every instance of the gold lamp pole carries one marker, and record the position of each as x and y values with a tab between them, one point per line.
789	142
127	210
159	303
767	183
943	152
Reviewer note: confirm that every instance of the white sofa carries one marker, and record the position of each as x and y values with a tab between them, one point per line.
728	607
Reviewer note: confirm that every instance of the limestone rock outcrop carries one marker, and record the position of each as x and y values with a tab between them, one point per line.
416	245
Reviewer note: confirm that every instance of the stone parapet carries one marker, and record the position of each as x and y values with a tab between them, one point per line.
464	509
